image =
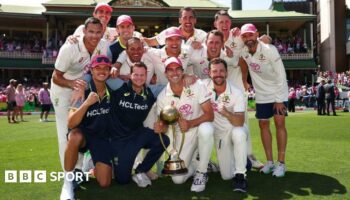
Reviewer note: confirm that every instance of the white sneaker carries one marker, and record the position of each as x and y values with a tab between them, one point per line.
268	167
67	192
199	181
279	170
256	164
141	179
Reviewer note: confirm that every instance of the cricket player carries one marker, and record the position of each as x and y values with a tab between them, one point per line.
230	135
103	12
187	21
88	127
70	64
269	80
196	115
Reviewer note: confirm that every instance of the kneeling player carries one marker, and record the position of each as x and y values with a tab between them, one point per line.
88	128
230	135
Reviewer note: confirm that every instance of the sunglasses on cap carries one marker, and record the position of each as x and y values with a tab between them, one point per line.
102	60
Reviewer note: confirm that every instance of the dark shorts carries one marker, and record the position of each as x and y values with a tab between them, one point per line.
45	107
100	149
11	105
266	111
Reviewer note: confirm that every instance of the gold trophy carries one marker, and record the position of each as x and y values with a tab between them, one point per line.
174	164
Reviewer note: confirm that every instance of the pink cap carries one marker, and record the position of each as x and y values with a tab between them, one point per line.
172	60
100	60
248	28
124	18
172	31
103	5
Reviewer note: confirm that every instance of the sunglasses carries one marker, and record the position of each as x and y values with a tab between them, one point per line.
102	60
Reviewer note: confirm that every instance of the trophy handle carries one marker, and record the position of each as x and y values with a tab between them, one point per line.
182	142
182	138
161	141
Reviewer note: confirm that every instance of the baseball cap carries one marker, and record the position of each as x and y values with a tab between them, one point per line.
100	60
172	31
103	5
248	28
124	18
173	60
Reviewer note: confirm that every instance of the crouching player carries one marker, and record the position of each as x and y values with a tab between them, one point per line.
89	129
230	136
196	114
131	104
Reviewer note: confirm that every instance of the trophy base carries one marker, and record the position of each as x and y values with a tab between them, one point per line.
174	167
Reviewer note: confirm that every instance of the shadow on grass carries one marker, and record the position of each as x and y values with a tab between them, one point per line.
294	184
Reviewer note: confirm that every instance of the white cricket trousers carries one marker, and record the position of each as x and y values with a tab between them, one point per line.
235	77
231	150
201	137
61	103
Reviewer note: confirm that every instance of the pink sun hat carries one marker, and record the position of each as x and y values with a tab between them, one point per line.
173	60
103	5
248	28
172	32
100	60
124	18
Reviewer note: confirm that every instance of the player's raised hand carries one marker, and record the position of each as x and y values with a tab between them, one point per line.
92	98
78	91
114	73
73	39
235	32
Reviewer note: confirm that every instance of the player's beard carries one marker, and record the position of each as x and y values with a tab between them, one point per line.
217	81
251	43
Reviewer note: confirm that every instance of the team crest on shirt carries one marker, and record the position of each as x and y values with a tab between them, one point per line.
233	45
188	92
126	94
262	57
225	98
186	109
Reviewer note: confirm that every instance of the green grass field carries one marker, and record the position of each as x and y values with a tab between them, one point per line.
318	165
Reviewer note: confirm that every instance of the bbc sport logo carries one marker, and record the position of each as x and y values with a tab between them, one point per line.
42	176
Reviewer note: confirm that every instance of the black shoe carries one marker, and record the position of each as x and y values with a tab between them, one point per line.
249	165
76	182
240	183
